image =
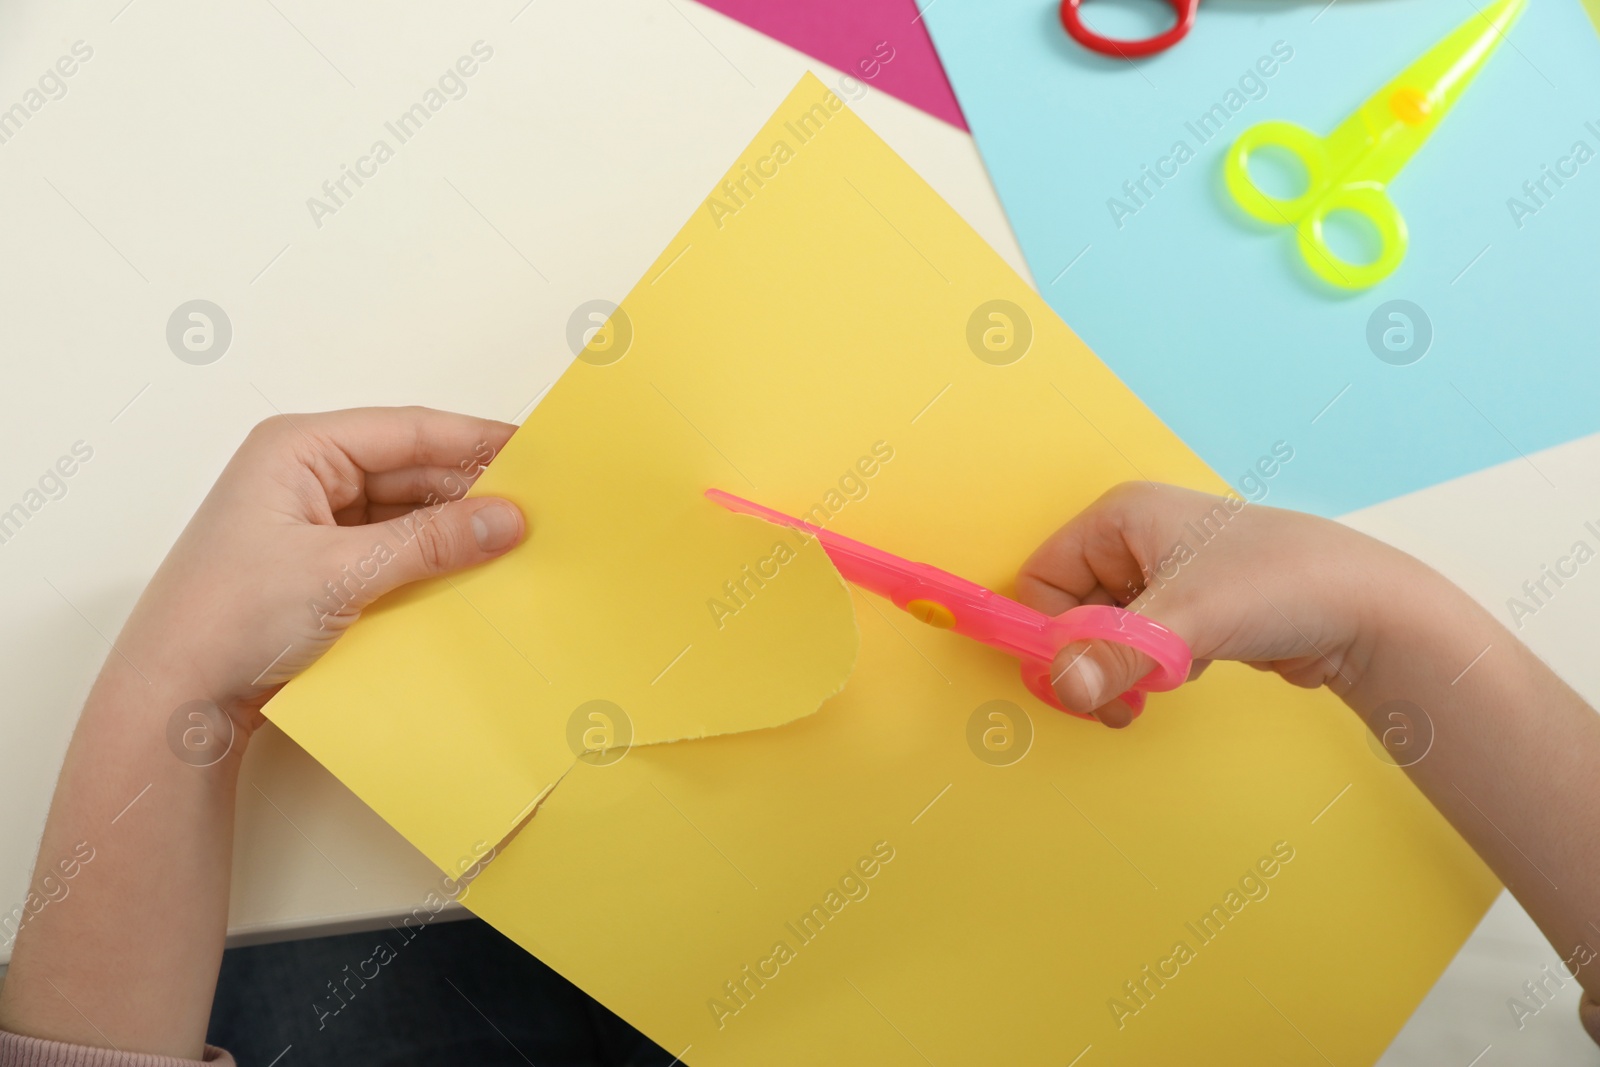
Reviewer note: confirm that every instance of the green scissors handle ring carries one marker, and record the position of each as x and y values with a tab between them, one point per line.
1350	169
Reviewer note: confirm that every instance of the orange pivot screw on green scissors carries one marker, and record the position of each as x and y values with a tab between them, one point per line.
1350	169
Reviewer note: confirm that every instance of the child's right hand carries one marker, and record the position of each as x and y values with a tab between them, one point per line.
1511	750
1281	591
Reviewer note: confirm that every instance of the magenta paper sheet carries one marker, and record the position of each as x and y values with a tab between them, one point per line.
882	42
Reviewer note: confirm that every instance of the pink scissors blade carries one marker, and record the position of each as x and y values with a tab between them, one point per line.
860	564
942	599
935	596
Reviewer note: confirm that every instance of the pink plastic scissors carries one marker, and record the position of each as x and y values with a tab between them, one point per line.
1072	19
941	599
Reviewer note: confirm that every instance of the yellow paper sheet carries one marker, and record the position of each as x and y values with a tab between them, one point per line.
872	884
636	612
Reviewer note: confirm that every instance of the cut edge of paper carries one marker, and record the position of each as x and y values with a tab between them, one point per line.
528	813
527	816
839	687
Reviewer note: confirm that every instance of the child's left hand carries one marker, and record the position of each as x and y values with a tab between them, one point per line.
314	518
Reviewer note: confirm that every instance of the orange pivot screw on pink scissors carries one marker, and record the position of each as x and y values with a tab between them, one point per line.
941	599
1072	22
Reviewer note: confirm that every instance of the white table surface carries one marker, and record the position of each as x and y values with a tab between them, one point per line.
177	166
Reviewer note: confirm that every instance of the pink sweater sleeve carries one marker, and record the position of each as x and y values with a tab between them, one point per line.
19	1051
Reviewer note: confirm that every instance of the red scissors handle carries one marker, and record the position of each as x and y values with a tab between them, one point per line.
1072	19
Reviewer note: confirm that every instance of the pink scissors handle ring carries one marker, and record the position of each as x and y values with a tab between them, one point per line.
1072	21
1094	622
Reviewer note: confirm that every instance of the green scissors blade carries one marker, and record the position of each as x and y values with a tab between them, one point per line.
1380	139
1350	168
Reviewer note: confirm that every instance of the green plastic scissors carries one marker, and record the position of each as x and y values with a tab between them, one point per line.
1349	170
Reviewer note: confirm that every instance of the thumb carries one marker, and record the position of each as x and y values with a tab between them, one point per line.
435	541
1089	676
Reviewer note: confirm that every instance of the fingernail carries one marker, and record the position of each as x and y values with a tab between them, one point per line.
1092	677
495	527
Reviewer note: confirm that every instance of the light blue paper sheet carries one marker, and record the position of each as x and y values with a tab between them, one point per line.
1214	320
